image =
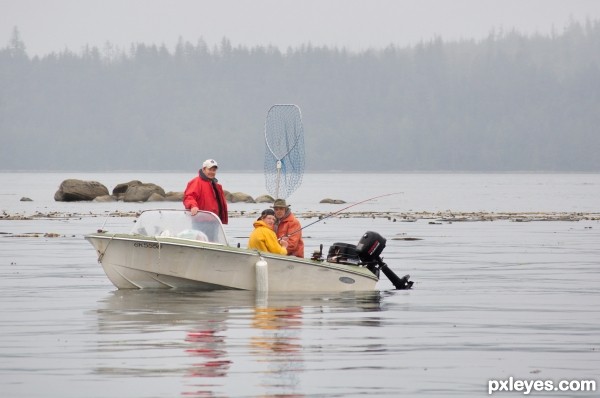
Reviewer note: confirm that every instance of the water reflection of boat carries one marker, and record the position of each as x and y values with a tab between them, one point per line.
200	335
149	308
273	321
277	346
172	249
207	344
170	322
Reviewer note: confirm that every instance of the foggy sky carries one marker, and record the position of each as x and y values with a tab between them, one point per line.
52	25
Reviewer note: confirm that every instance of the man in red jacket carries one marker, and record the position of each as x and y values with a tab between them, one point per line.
288	226
205	193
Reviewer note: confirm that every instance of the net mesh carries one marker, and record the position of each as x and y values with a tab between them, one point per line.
284	150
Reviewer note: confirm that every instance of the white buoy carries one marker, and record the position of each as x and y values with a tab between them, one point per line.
262	275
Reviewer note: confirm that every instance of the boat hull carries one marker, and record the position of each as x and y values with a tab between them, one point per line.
145	262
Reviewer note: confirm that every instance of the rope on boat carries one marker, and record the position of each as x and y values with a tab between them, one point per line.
101	254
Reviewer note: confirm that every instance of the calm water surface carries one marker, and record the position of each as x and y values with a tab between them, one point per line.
491	300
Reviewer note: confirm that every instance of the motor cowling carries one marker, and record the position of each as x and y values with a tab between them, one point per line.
370	246
343	253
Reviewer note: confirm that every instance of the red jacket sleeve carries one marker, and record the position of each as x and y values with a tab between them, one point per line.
189	196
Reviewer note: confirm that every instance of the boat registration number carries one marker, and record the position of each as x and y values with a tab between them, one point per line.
146	245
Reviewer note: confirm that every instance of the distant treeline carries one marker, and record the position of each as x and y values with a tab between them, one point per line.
511	102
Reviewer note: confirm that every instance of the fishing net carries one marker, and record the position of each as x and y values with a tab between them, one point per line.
284	150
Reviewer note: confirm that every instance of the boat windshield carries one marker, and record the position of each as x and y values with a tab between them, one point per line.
204	226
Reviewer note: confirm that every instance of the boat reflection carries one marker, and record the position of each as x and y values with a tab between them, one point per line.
204	335
277	347
208	344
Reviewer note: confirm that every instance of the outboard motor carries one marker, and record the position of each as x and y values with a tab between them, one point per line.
369	249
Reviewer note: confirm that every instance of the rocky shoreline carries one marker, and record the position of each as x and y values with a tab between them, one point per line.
432	217
136	191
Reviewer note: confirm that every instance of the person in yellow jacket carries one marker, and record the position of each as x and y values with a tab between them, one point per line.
263	237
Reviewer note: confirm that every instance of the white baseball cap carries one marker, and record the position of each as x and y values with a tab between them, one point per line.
209	163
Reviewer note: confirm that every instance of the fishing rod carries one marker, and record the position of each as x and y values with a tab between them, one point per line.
341	210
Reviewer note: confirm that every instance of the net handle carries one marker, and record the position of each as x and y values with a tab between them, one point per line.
278	178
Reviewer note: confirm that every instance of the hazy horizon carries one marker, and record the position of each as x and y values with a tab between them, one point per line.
509	102
356	25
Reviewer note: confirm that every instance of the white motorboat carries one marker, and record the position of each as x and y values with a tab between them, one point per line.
173	249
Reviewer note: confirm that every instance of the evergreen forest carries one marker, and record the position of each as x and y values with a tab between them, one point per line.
509	102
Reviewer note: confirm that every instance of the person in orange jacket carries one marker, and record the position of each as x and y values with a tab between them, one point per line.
263	237
205	193
287	225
